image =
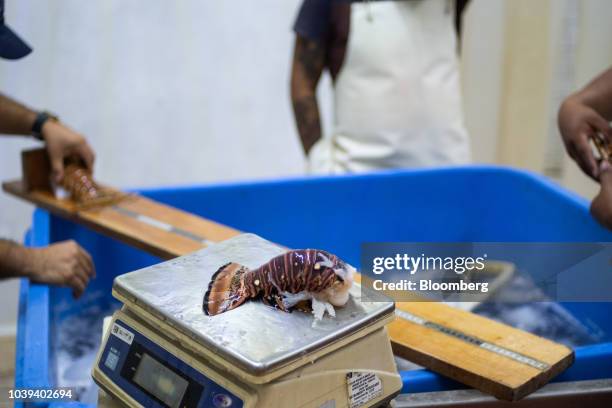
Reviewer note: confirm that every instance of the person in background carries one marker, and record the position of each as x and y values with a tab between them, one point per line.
581	116
395	72
64	263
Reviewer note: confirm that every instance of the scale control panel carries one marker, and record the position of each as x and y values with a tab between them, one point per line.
154	377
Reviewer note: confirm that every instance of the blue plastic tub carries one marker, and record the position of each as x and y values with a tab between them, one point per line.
335	213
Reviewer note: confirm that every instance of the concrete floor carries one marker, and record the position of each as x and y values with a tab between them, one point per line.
7	361
7	368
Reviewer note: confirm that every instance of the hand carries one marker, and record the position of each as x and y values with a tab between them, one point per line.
63	142
577	123
63	264
601	207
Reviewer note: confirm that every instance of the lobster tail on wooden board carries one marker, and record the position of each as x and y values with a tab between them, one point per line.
84	191
226	289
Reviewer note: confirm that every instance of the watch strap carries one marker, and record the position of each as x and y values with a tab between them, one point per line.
40	120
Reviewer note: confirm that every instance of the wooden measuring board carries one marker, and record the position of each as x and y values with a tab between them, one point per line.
159	229
494	358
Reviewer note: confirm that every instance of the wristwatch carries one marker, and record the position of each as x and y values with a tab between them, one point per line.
40	120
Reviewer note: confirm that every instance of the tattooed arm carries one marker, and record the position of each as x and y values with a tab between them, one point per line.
308	63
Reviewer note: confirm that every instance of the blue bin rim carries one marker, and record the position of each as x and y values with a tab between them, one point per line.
32	368
552	185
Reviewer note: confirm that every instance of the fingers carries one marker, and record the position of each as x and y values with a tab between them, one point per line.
57	159
601	207
582	152
78	284
79	278
83	271
601	125
86	262
87	154
81	268
57	167
605	173
63	142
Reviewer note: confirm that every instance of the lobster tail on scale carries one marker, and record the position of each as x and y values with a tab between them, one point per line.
285	282
226	290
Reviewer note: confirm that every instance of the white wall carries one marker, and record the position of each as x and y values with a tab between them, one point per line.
167	92
195	91
481	61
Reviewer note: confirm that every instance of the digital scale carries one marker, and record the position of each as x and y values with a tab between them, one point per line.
161	350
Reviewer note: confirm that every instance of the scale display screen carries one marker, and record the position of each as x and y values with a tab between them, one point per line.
161	382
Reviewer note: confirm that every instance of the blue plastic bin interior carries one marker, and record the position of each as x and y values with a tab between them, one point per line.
337	214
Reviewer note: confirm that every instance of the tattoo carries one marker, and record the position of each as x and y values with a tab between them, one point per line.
308	64
310	56
306	112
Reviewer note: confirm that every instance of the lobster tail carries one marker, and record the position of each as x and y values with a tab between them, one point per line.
226	289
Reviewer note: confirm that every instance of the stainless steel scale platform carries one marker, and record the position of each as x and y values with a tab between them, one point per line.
161	350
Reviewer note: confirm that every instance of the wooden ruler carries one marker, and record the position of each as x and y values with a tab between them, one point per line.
492	357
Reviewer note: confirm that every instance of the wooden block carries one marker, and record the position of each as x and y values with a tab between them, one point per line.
36	169
497	359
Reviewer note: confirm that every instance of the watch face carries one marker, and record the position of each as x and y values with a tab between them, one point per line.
51	116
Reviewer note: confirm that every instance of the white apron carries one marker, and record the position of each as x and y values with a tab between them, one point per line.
397	96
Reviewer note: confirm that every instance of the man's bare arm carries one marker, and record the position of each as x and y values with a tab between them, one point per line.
308	63
63	263
15	119
601	207
13	260
61	141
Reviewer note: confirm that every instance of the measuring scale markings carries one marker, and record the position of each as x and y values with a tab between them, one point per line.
502	351
161	225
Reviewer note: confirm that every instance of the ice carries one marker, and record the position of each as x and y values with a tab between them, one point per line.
319	308
521	304
77	338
